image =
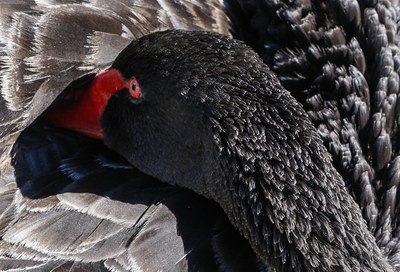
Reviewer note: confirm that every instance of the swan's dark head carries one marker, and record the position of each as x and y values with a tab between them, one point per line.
193	98
202	111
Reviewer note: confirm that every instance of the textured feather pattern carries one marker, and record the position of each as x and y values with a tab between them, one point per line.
79	202
341	60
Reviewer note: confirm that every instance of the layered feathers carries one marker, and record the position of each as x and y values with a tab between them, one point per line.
79	202
340	59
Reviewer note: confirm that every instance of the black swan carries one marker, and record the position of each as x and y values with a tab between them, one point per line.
288	232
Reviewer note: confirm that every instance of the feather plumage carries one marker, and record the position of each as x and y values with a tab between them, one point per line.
340	59
80	202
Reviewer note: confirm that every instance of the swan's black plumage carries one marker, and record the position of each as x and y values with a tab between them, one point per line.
337	58
340	59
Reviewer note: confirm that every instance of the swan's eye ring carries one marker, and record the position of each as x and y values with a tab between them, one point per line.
134	88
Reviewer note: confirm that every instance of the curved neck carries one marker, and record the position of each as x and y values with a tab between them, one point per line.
287	199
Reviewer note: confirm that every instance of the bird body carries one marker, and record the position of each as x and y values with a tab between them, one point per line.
203	113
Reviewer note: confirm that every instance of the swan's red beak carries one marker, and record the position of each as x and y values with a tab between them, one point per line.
82	108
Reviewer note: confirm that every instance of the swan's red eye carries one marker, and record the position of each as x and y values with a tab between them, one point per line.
134	89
